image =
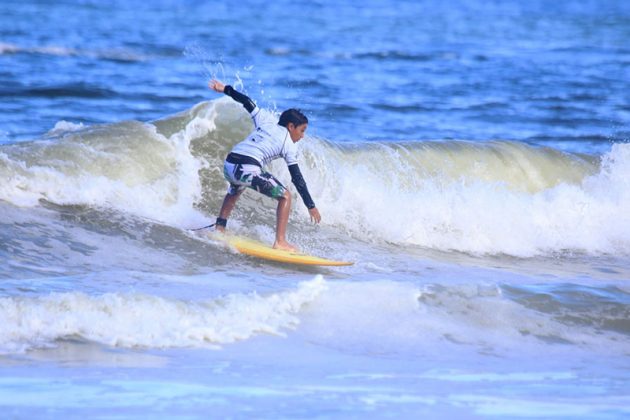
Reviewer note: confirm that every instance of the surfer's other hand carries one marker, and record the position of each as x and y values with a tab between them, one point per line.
315	216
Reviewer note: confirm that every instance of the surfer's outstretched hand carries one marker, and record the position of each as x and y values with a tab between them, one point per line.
216	86
315	216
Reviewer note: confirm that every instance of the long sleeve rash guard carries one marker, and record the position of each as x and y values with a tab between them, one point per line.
269	141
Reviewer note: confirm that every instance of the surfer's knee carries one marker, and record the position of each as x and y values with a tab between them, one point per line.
286	195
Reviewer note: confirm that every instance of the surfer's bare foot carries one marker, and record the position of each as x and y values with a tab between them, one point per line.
219	229
284	245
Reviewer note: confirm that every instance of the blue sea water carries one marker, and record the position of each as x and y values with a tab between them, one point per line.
471	157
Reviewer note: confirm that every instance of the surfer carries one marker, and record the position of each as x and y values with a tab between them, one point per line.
243	166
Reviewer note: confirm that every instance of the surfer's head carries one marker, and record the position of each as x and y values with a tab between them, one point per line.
294	121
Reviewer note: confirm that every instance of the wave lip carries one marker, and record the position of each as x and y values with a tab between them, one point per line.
135	320
125	166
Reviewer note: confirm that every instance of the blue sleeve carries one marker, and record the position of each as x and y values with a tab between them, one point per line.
240	98
300	184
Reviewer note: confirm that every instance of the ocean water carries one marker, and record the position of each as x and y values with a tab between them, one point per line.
471	157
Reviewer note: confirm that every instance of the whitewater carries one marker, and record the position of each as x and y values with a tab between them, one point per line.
470	158
497	197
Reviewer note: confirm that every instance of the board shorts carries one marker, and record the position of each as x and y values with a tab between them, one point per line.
241	176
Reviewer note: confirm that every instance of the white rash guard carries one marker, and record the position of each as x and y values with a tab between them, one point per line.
268	141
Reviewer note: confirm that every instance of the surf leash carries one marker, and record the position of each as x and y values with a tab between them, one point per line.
219	222
201	228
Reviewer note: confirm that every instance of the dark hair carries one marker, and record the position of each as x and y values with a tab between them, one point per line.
294	116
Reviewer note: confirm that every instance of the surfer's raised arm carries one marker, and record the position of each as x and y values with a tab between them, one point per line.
233	93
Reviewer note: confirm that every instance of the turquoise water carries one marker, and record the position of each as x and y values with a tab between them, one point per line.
470	157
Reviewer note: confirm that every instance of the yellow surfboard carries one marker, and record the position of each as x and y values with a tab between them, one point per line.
258	249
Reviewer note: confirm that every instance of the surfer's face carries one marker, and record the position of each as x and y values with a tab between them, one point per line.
296	132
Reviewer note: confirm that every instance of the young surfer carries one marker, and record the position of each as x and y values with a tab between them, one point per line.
270	140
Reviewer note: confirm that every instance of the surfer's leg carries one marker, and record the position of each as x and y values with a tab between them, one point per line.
239	177
228	205
282	220
267	184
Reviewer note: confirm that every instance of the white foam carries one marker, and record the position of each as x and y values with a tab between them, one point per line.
65	126
398	203
131	320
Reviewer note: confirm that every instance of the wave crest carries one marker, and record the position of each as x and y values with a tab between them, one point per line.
134	320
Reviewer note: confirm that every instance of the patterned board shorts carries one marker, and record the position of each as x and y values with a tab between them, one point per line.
241	176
